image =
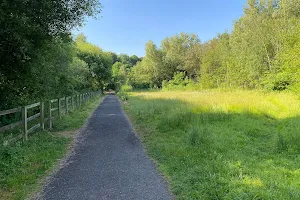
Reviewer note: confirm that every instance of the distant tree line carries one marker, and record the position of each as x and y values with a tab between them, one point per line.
121	69
262	51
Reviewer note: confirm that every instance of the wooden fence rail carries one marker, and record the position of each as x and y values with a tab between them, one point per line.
61	105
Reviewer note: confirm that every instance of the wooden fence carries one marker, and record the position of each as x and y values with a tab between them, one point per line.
61	105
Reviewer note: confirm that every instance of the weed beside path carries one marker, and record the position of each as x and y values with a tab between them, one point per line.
22	165
222	145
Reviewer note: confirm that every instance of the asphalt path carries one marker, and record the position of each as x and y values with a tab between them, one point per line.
108	162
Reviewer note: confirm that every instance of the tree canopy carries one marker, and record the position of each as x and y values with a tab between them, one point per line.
36	48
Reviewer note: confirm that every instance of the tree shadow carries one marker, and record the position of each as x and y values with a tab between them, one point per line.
214	154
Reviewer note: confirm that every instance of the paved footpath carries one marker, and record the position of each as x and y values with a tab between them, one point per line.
109	162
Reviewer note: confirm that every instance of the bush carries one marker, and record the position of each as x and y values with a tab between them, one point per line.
122	95
126	88
179	81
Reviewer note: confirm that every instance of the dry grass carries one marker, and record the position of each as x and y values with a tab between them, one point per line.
276	105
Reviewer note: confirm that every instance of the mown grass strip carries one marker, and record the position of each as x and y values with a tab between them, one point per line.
23	164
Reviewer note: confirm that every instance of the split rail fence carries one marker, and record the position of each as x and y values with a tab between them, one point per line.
44	113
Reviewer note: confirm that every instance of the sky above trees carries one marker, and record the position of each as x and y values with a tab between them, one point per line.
126	26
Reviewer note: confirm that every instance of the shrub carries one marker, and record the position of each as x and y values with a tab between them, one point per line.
179	81
126	88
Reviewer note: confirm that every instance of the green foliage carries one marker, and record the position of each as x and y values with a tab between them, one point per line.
98	61
286	74
49	75
179	81
79	75
114	57
121	69
134	59
215	68
128	60
180	53
126	88
140	77
119	74
123	95
28	40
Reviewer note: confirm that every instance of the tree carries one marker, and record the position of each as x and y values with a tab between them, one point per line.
140	76
124	58
153	64
27	27
183	53
215	66
99	62
134	59
114	57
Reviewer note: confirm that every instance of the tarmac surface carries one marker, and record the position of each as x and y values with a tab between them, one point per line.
108	162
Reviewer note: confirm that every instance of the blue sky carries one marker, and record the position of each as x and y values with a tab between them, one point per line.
126	26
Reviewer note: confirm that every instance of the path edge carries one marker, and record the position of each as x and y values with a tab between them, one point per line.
153	161
78	137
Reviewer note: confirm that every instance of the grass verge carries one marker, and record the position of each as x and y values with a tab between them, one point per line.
222	145
23	164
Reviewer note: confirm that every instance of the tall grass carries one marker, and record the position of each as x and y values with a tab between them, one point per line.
222	144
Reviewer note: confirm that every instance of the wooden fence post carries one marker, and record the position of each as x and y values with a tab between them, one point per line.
24	120
66	104
42	115
50	116
59	108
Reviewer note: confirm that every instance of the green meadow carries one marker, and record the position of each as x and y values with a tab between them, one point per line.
222	144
